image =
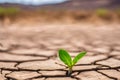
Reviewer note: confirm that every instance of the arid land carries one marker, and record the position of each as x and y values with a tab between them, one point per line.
30	40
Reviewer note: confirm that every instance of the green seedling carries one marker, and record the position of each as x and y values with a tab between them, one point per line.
68	61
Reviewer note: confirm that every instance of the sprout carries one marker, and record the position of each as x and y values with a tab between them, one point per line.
67	60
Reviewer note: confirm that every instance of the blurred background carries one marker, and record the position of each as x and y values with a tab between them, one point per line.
65	11
31	22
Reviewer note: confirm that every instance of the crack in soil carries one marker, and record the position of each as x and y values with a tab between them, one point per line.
107	75
69	44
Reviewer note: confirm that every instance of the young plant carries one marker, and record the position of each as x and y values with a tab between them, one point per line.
67	60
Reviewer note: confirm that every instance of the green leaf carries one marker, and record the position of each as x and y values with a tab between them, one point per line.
65	57
78	57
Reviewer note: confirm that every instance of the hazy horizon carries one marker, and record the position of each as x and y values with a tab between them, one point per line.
33	2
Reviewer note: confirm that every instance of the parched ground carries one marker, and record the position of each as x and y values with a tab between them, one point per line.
30	53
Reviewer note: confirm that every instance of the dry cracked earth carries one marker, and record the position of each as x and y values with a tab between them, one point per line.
30	53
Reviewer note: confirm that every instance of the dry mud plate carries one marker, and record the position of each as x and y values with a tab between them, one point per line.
30	53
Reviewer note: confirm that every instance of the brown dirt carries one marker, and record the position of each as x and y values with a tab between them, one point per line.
30	53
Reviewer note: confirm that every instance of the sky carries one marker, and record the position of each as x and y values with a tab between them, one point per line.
33	2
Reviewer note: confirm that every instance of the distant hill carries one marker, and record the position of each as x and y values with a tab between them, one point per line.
74	4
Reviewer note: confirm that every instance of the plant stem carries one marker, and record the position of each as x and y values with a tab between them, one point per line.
69	71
